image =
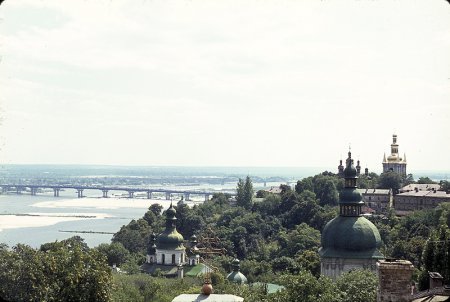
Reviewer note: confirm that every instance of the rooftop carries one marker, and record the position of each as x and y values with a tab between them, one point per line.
374	191
420	187
437	194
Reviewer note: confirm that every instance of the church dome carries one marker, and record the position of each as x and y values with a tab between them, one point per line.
171	212
350	170
350	196
170	239
350	237
393	157
236	276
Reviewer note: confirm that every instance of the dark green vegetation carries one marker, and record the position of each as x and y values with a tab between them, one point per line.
60	271
357	286
276	237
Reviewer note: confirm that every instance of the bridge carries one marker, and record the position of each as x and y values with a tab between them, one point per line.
34	189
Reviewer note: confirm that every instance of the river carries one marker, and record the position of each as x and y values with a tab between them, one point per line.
34	220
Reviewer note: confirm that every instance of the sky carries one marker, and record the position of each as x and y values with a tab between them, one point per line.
224	83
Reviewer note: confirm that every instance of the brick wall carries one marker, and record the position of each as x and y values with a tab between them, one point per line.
394	280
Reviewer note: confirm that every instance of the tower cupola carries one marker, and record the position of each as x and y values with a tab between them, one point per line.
236	276
170	239
394	162
349	240
350	201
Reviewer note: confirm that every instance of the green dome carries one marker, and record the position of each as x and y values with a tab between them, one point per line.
170	239
350	195
236	276
171	212
350	170
350	237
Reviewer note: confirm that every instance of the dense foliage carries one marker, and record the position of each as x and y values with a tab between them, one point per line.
280	233
276	237
59	271
359	286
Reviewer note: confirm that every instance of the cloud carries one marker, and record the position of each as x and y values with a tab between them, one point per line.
222	83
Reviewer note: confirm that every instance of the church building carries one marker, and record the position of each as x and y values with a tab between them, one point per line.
168	254
166	251
394	162
349	241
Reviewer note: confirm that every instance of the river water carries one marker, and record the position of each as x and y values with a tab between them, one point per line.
34	220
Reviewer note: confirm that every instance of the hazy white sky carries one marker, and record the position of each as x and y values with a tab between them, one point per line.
242	83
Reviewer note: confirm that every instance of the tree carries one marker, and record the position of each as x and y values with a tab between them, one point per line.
309	260
156	209
307	288
358	286
262	194
436	256
248	192
409	179
305	210
285	189
390	180
240	192
304	184
283	264
445	185
244	193
134	236
269	206
150	217
425	180
115	252
326	191
63	272
302	238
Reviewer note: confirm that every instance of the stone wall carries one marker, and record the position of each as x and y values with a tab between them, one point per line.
334	267
394	280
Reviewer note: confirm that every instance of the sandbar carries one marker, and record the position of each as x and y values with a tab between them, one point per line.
102	203
29	220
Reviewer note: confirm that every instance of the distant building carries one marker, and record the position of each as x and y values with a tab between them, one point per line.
274	190
193	252
340	169
358	169
394	162
349	241
419	200
395	284
436	292
379	200
166	251
420	187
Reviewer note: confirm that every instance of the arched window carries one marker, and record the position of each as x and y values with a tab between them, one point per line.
173	258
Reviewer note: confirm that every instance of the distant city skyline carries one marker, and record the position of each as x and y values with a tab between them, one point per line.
224	83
